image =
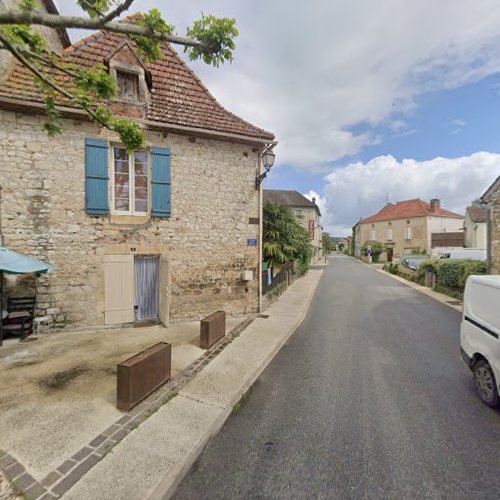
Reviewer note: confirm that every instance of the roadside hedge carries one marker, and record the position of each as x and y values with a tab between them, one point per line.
452	273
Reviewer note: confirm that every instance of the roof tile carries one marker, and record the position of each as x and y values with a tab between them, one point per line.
178	96
407	209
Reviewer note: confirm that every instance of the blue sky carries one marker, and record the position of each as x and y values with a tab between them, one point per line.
448	123
367	99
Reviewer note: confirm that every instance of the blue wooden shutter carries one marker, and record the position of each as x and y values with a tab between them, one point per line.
160	182
96	177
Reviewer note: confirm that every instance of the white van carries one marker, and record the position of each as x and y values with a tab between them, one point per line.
465	253
479	335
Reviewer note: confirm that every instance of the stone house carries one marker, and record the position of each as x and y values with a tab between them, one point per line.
171	231
475	227
407	226
492	198
57	38
356	231
306	210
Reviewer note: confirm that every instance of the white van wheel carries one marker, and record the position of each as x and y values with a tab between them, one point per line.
486	384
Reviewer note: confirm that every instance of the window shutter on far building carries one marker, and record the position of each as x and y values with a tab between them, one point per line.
160	181
96	177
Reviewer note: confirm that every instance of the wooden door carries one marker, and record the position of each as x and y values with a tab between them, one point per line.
119	289
164	289
390	254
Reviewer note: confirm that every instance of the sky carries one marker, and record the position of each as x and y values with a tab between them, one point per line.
370	101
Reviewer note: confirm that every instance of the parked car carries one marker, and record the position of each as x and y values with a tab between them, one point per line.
479	335
465	253
413	261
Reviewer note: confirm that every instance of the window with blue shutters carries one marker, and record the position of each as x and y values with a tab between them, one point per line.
160	182
96	177
140	181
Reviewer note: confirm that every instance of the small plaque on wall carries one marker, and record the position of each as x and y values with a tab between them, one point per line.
251	242
253	220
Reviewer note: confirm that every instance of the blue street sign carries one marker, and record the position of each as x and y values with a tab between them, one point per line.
251	243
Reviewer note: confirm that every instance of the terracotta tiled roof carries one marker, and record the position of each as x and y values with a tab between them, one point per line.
407	209
288	198
478	214
178	97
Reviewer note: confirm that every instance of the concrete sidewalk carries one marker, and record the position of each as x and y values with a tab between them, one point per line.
152	460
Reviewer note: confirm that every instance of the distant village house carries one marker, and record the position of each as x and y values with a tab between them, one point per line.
306	210
407	227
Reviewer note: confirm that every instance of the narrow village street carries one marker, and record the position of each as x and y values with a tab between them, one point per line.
368	399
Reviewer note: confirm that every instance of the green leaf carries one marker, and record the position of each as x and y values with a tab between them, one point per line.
150	46
131	136
217	36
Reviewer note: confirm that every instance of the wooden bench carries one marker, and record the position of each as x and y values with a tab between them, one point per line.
140	375
212	328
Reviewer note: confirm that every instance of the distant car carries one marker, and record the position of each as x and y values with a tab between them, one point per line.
465	253
413	261
479	335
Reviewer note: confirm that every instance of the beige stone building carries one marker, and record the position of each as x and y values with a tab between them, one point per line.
58	39
171	231
492	198
407	226
475	227
306	210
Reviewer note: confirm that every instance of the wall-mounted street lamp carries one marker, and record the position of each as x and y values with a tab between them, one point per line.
267	162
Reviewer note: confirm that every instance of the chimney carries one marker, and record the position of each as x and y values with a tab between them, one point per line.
314	200
435	205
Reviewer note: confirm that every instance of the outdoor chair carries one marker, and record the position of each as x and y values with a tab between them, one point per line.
19	320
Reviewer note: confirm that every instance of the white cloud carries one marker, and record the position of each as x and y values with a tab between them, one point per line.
310	71
359	190
321	201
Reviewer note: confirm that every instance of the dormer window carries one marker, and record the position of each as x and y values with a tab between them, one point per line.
128	85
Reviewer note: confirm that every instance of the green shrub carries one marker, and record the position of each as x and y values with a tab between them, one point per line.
391	268
452	273
376	247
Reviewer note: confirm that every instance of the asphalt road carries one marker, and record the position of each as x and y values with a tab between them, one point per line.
368	399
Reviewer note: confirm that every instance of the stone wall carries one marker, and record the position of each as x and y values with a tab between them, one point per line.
400	245
43	215
494	206
421	230
7	60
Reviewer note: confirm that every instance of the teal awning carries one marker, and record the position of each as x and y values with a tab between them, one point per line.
16	263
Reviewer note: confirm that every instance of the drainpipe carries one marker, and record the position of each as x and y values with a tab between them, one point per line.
259	267
261	193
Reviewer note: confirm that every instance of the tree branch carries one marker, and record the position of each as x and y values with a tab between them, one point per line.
13	50
116	12
57	21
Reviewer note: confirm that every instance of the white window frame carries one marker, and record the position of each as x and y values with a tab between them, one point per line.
374	235
131	173
408	233
388	234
